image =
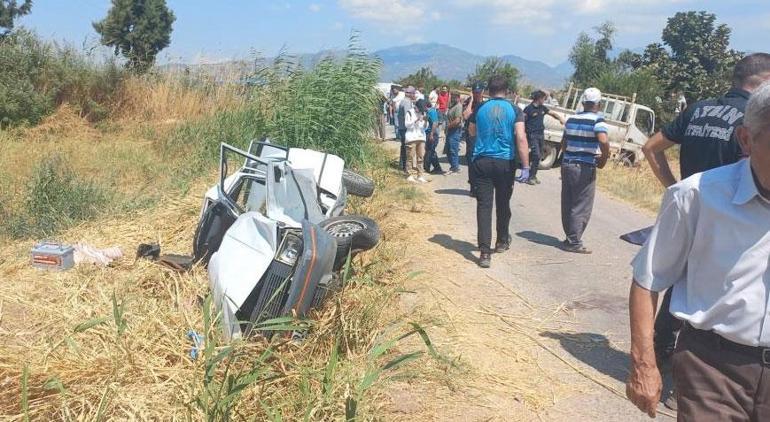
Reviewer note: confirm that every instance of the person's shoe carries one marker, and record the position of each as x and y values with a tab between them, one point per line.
485	260
454	172
501	247
422	180
537	181
671	401
531	182
576	249
411	179
437	172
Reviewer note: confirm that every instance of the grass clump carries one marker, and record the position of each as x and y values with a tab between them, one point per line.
55	198
36	76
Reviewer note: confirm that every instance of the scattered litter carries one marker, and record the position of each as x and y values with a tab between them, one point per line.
151	251
87	254
197	340
49	255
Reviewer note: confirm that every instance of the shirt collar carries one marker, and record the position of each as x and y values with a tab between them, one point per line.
737	92
747	187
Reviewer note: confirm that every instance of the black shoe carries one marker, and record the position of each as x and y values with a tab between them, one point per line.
501	247
537	181
485	260
531	182
576	249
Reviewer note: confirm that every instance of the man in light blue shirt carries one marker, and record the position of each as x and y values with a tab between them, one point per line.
499	131
711	244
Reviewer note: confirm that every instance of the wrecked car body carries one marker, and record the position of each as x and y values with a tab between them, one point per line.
273	235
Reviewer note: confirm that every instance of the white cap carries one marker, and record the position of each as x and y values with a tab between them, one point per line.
592	95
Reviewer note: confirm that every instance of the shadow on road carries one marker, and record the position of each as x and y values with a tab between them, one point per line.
596	351
459	192
540	238
460	246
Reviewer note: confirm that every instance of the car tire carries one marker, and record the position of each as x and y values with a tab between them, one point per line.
548	160
357	184
353	234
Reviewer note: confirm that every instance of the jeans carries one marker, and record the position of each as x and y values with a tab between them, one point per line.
401	134
431	155
578	186
536	142
493	181
453	138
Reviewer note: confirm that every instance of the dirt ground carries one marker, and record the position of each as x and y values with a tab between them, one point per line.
543	334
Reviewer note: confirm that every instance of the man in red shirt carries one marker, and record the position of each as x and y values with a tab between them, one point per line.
443	104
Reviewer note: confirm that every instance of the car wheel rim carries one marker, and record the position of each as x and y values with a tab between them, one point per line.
345	228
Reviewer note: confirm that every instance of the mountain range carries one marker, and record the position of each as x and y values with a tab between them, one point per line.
449	62
445	61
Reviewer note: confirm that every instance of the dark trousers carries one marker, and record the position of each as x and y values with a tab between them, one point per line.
666	325
578	186
402	156
536	144
431	162
470	143
717	380
493	182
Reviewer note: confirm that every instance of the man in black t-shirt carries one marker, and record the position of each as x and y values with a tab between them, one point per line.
534	116
706	134
469	115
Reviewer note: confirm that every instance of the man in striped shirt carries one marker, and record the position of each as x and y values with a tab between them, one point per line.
584	147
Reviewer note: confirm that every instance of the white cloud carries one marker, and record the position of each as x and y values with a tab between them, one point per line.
337	26
384	11
314	7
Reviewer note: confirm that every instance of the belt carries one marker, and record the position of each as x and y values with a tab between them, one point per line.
759	353
573	161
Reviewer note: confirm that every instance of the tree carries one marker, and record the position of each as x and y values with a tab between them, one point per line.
424	77
137	29
700	61
591	57
9	11
495	66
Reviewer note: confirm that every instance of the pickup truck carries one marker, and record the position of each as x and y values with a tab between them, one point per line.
630	125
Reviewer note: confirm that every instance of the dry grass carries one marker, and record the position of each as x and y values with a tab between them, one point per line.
636	185
173	98
78	372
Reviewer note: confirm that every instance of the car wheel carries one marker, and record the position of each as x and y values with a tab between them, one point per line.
357	184
549	157
353	234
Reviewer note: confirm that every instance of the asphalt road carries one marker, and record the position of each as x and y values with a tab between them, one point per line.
592	288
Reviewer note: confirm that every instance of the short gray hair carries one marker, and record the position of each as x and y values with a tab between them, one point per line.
757	116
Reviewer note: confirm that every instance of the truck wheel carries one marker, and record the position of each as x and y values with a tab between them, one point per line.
549	157
353	234
357	184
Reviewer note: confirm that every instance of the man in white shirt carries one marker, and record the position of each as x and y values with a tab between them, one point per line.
711	244
433	96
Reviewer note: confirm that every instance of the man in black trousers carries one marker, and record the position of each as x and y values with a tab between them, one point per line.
498	128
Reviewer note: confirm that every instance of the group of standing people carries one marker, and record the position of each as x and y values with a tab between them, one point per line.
709	249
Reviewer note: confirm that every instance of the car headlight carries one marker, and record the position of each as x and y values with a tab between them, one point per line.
290	250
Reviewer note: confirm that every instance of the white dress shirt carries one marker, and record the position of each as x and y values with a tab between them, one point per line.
712	243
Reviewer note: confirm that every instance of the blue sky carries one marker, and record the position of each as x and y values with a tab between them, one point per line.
208	31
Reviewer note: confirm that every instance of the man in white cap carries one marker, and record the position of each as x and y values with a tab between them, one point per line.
584	147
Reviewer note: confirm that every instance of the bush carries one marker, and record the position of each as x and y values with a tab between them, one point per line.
55	199
36	76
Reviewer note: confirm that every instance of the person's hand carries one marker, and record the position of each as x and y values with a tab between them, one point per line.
524	175
643	387
601	162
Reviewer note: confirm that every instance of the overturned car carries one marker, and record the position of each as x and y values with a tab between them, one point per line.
273	232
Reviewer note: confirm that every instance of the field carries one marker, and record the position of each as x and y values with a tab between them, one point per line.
105	343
